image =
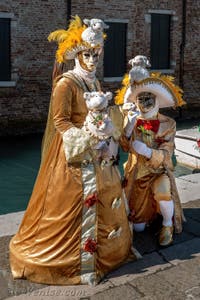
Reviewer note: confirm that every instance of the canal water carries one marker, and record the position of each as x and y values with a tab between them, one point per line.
19	163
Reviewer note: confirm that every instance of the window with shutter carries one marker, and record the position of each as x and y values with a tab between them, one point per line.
115	50
160	41
5	72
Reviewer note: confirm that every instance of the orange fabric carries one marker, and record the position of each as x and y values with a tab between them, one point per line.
47	247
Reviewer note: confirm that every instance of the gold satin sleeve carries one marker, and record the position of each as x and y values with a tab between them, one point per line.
162	155
156	159
62	105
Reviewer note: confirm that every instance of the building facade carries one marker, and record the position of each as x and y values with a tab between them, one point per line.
165	31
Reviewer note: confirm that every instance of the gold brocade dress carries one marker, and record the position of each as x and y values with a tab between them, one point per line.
75	228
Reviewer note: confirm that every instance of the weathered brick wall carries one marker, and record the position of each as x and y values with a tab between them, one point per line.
191	78
24	107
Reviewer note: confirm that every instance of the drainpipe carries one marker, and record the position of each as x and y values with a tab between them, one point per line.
69	11
182	49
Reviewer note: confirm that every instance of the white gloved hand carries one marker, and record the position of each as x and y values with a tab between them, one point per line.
100	145
131	112
131	122
128	106
142	149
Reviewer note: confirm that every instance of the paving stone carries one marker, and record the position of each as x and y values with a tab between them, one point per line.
145	242
155	288
19	286
150	263
182	237
192	204
118	293
192	227
188	187
9	223
4	293
182	252
192	213
65	292
4	252
178	282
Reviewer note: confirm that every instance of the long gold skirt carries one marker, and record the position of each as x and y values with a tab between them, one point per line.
50	246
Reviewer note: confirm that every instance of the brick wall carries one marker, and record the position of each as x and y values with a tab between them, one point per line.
191	58
24	107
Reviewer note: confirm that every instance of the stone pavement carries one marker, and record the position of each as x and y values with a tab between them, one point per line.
162	273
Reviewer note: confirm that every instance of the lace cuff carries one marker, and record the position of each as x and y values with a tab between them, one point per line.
76	141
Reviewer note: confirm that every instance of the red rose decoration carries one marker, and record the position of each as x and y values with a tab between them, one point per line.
146	125
99	123
198	143
90	246
91	200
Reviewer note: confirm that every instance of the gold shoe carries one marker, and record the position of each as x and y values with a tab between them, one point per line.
166	235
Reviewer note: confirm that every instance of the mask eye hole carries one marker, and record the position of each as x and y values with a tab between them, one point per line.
86	55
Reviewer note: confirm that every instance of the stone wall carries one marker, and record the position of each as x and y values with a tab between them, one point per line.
23	108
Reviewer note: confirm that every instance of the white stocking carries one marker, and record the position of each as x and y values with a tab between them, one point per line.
167	212
138	227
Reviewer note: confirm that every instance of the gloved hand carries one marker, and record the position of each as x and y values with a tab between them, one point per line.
128	106
142	149
101	145
131	117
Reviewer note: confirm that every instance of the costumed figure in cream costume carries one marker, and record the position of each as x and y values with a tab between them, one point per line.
75	228
150	184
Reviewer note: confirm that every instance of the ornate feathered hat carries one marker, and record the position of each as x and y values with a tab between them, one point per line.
162	86
78	37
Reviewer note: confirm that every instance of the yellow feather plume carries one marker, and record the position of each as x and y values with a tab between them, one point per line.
59	35
175	89
70	39
119	98
75	23
67	39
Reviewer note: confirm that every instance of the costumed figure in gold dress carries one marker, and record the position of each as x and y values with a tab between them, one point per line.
75	228
151	187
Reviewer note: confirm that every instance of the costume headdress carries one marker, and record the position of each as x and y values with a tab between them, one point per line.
78	37
139	80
